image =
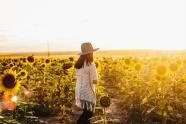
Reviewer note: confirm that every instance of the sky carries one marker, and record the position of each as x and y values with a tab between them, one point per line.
62	25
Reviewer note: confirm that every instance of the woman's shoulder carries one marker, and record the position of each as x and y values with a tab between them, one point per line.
93	65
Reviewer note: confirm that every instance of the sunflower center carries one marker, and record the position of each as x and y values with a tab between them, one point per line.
161	70
30	59
23	73
47	61
9	81
134	77
71	59
105	101
127	61
43	65
24	60
137	67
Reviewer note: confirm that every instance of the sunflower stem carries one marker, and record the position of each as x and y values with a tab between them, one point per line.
104	114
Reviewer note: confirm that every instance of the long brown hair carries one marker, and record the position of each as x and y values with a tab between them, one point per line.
86	57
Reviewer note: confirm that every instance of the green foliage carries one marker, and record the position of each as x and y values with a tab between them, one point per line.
144	97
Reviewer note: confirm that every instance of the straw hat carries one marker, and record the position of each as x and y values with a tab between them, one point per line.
87	48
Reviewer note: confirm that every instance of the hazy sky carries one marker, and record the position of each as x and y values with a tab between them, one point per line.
30	25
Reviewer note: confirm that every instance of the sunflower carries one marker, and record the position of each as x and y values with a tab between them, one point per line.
71	59
97	63
47	61
127	61
16	60
11	64
23	73
43	65
30	59
104	101
8	83
4	64
105	61
134	77
125	68
137	66
24	60
114	63
174	67
67	65
161	70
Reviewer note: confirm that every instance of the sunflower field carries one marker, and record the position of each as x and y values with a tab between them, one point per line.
151	90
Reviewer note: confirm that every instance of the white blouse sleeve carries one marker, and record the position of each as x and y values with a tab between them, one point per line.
93	72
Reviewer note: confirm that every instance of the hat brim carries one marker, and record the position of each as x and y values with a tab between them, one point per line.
88	52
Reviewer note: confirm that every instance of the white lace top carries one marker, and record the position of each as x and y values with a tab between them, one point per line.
85	89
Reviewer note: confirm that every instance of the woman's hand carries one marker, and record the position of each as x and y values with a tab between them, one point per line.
95	81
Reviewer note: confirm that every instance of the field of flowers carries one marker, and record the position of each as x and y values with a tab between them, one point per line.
150	90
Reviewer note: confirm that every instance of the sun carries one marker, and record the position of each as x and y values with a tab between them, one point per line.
8	83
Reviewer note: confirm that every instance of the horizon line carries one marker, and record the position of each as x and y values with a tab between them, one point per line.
96	51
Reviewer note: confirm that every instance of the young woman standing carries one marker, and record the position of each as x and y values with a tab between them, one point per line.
87	77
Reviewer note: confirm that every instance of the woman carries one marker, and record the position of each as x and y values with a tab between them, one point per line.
87	77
